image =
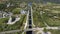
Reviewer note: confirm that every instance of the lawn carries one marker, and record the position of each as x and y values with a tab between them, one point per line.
37	20
17	25
3	20
54	31
53	22
50	20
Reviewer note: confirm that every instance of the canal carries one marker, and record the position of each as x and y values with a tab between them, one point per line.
29	22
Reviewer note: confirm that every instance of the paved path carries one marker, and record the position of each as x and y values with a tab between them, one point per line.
9	21
26	21
32	16
10	31
53	28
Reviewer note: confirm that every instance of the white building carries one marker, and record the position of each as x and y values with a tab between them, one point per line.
23	12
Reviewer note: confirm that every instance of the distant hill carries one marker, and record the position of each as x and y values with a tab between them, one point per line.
53	1
44	1
37	1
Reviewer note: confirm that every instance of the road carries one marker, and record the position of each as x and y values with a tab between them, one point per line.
53	28
10	31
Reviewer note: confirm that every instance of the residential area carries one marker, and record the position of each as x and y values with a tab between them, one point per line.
29	17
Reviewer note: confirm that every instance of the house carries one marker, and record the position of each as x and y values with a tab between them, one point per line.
2	1
9	4
22	5
5	14
23	12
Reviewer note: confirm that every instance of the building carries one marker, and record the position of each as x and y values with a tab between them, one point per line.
5	14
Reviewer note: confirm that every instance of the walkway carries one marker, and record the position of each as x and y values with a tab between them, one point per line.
10	20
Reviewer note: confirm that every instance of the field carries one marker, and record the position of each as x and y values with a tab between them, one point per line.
18	25
37	20
54	31
51	17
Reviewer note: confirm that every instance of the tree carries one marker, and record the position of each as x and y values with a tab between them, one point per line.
2	6
45	30
16	11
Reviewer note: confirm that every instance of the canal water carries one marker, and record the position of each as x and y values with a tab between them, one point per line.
29	20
